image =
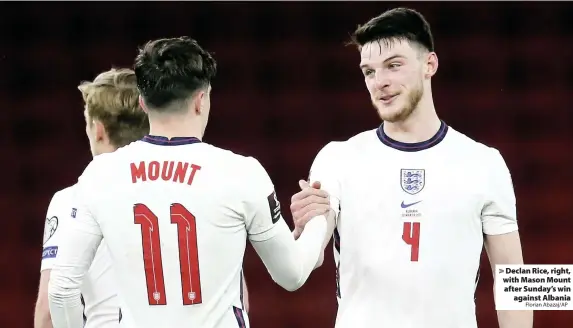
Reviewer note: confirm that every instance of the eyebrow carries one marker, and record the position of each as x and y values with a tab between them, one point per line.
385	60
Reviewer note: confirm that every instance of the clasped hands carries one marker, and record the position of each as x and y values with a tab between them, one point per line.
308	203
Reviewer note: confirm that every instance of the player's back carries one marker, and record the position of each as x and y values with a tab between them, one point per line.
172	216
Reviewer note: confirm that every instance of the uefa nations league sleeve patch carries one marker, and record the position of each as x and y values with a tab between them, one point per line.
49	252
274	206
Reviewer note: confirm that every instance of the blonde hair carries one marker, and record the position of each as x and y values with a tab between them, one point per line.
113	99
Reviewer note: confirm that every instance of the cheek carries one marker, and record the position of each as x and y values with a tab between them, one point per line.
401	77
411	77
370	85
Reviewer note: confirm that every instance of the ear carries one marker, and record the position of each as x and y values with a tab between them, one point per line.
198	102
142	105
431	65
100	132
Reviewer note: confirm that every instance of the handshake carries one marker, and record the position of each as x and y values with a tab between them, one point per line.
308	203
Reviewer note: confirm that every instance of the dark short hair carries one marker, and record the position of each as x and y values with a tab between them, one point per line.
395	24
171	70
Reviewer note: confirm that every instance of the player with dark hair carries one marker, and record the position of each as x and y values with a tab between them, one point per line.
172	72
176	212
414	200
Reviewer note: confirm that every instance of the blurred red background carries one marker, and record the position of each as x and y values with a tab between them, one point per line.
287	86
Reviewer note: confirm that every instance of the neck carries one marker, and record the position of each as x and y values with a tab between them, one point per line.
420	126
104	149
172	126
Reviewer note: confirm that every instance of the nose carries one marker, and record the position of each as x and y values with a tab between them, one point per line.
381	79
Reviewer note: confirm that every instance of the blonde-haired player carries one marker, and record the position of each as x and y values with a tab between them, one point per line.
113	120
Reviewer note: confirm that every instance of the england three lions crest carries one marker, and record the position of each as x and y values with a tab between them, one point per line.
412	181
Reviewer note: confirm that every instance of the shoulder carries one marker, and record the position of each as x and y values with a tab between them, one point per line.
59	210
103	167
345	149
472	147
230	162
254	170
244	177
238	172
62	197
99	164
485	160
228	156
363	138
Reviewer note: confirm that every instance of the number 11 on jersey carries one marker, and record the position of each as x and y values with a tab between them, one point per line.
188	254
411	236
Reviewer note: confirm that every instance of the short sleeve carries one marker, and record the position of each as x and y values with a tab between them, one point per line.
262	207
58	214
499	212
326	169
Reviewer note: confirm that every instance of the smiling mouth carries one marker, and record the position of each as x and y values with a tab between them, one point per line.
387	99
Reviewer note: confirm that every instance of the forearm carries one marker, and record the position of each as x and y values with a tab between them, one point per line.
42	317
310	247
64	295
331	225
515	319
65	304
288	261
245	295
506	249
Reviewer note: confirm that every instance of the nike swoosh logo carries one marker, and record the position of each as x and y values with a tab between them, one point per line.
408	205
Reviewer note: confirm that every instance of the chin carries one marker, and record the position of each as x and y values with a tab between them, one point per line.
390	114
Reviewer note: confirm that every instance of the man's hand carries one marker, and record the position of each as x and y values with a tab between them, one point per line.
307	204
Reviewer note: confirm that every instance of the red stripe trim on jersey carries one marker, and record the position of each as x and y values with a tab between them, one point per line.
241	292
336	237
84	310
239	316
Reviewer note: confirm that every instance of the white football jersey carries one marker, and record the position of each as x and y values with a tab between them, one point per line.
176	214
410	225
99	294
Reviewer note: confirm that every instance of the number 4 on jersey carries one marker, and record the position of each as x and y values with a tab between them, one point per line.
411	236
188	254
